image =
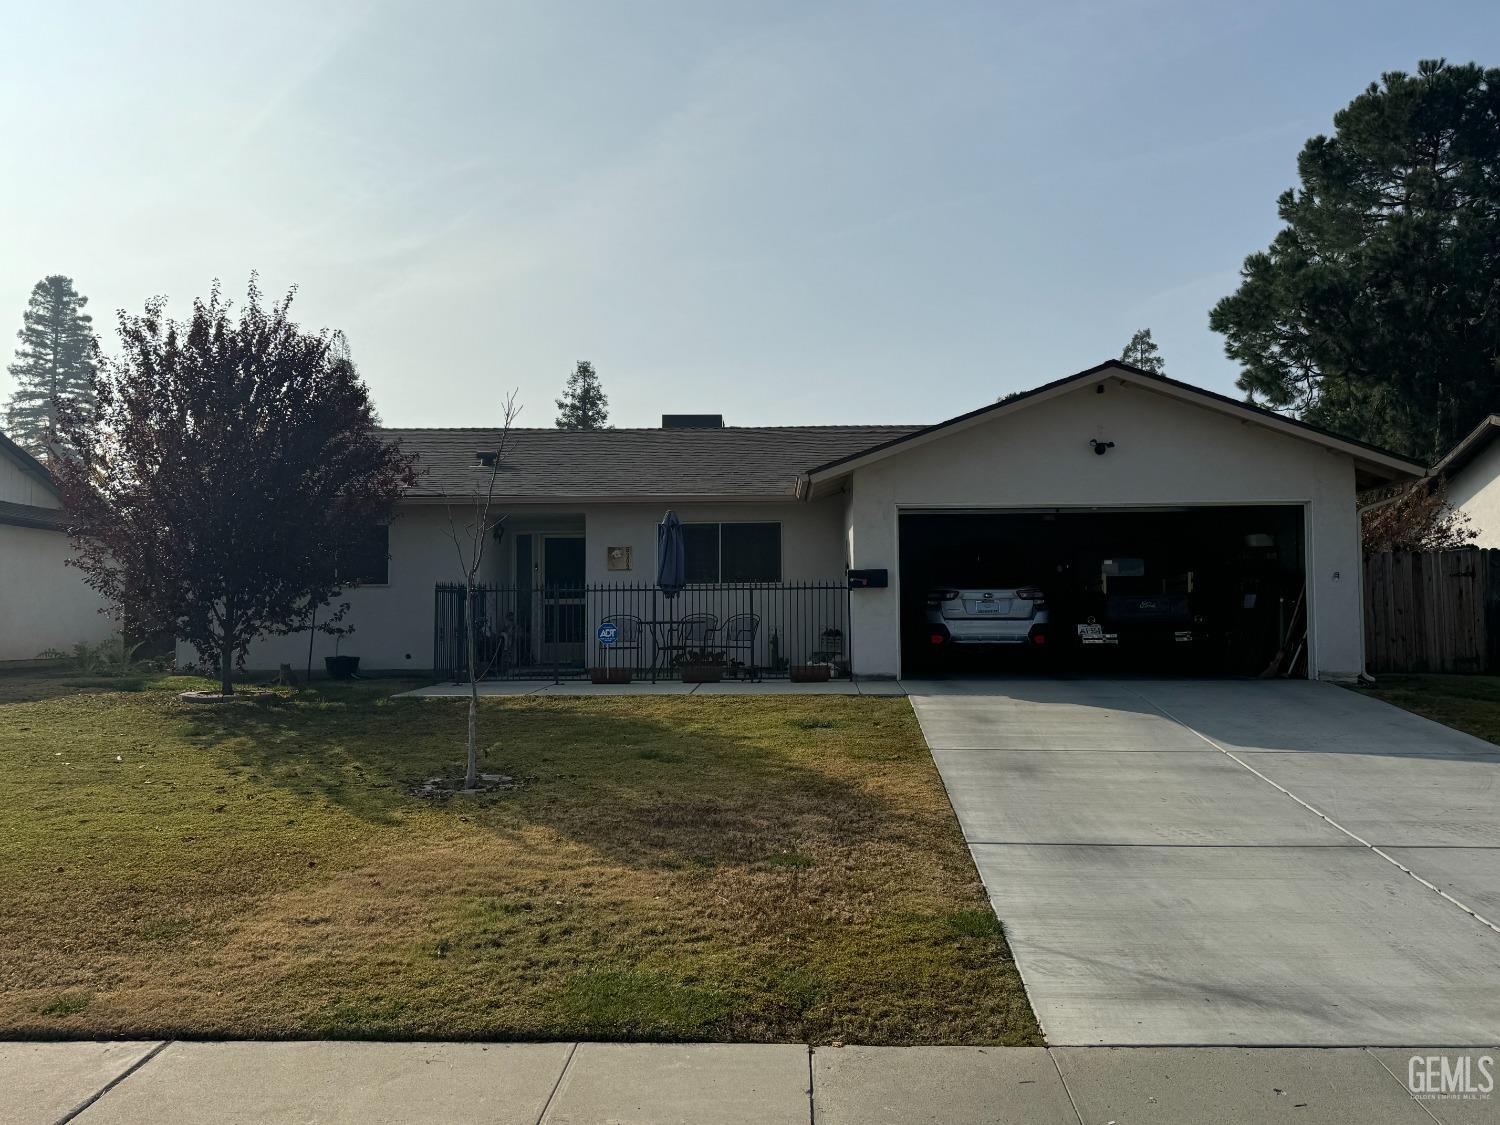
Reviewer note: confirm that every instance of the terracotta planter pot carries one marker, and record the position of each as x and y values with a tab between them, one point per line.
341	667
702	673
811	673
610	675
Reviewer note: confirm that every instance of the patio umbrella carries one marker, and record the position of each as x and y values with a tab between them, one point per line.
671	567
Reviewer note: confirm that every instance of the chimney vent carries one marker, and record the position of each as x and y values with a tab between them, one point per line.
692	421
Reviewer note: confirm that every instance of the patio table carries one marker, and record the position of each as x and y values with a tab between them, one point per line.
656	646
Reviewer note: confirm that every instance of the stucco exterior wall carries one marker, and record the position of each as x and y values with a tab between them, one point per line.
1475	491
1166	452
811	536
394	623
44	604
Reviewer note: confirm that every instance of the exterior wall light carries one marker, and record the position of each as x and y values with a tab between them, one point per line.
1101	447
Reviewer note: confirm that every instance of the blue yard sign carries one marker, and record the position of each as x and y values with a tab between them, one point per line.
608	633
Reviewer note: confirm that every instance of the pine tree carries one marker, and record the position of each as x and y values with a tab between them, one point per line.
583	405
1375	312
54	366
1142	352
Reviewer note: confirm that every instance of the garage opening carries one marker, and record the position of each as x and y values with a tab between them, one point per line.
1184	591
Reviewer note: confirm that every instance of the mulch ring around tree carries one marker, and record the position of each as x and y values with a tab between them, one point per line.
242	695
442	788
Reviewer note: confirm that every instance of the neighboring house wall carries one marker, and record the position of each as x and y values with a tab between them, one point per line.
44	604
1166	453
1475	491
394	623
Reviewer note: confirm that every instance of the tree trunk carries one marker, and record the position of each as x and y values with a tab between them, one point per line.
226	651
226	669
471	769
312	634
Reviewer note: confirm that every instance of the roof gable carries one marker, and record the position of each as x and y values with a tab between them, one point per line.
28	464
1374	464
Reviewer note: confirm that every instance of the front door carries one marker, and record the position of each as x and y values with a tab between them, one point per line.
562	599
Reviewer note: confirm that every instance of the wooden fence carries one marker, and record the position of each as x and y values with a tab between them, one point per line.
1432	611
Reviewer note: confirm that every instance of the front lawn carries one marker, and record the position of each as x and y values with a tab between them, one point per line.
781	869
1467	703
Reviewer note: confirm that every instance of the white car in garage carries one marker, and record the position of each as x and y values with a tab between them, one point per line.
999	615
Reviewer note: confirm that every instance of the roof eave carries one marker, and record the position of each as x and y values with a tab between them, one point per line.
1470	447
33	516
554	500
1379	463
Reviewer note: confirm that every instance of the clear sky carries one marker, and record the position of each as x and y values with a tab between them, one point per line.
784	212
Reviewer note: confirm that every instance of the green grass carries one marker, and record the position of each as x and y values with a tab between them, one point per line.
1466	703
744	869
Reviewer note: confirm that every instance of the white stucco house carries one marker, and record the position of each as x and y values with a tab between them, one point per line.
44	605
1108	460
1472	473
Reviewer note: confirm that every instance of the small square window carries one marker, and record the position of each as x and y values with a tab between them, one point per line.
366	560
751	552
700	550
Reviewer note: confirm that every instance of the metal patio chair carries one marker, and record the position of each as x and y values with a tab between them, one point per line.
629	629
692	633
737	639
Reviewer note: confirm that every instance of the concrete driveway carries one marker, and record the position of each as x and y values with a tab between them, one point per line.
1210	862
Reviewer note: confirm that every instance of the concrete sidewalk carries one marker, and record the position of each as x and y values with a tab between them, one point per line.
332	1083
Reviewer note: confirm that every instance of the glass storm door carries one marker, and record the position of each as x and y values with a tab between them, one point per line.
562	599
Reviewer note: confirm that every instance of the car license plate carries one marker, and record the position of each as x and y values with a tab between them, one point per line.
1091	632
987	607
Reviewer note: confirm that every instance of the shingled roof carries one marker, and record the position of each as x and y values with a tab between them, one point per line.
732	462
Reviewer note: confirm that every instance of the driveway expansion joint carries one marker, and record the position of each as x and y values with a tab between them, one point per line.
1472	913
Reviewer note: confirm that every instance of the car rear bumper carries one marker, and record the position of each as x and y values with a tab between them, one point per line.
956	639
997	633
1131	637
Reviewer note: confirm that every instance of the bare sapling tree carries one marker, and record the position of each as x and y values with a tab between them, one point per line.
470	537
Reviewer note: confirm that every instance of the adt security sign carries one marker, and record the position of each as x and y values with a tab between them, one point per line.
608	633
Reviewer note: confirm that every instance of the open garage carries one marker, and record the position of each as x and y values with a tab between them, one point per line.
1205	590
1165	512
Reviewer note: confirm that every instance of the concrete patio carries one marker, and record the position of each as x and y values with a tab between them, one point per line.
501	689
334	1083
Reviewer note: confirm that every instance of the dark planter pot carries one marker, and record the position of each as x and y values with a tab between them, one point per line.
702	673
610	675
341	667
811	673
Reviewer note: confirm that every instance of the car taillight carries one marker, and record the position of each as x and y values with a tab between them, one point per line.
1030	594
939	596
937	635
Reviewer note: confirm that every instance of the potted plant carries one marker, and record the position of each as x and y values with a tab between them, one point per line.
340	667
701	667
778	662
811	673
610	675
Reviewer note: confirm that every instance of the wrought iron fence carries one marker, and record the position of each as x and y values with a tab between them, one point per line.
749	630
